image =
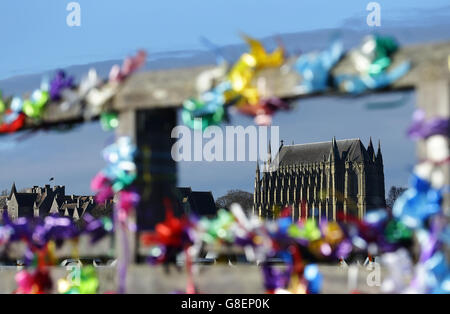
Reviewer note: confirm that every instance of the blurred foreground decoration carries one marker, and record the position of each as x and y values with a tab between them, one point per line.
93	97
298	245
145	104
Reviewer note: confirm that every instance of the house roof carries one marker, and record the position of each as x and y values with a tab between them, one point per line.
349	149
44	202
87	206
184	191
69	209
26	199
13	190
200	203
184	198
204	203
71	205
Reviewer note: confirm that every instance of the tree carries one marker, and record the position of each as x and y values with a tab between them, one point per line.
394	193
101	210
2	202
245	199
3	198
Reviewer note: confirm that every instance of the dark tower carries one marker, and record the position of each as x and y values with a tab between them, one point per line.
371	151
257	194
380	172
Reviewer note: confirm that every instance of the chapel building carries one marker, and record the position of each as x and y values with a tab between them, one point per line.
321	180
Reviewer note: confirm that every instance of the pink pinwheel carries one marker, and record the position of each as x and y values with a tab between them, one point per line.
128	200
101	184
130	65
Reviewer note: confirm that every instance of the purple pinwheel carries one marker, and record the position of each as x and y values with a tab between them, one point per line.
59	83
422	128
276	278
97	228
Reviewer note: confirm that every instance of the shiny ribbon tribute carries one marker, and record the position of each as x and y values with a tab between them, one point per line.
416	218
315	68
235	88
61	91
372	60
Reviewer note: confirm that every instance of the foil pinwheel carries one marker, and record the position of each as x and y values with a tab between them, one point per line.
242	76
60	82
243	71
170	238
208	110
235	87
97	228
218	228
373	60
33	282
2	103
86	283
34	106
417	203
315	68
38	232
130	65
374	54
91	95
127	201
109	121
422	128
121	170
97	93
13	118
264	110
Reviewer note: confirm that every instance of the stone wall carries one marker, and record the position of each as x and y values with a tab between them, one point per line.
209	279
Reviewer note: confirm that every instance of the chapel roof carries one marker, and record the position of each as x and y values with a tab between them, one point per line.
348	149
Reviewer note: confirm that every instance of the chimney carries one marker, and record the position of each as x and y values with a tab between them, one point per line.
59	190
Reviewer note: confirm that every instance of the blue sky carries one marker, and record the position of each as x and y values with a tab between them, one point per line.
35	38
